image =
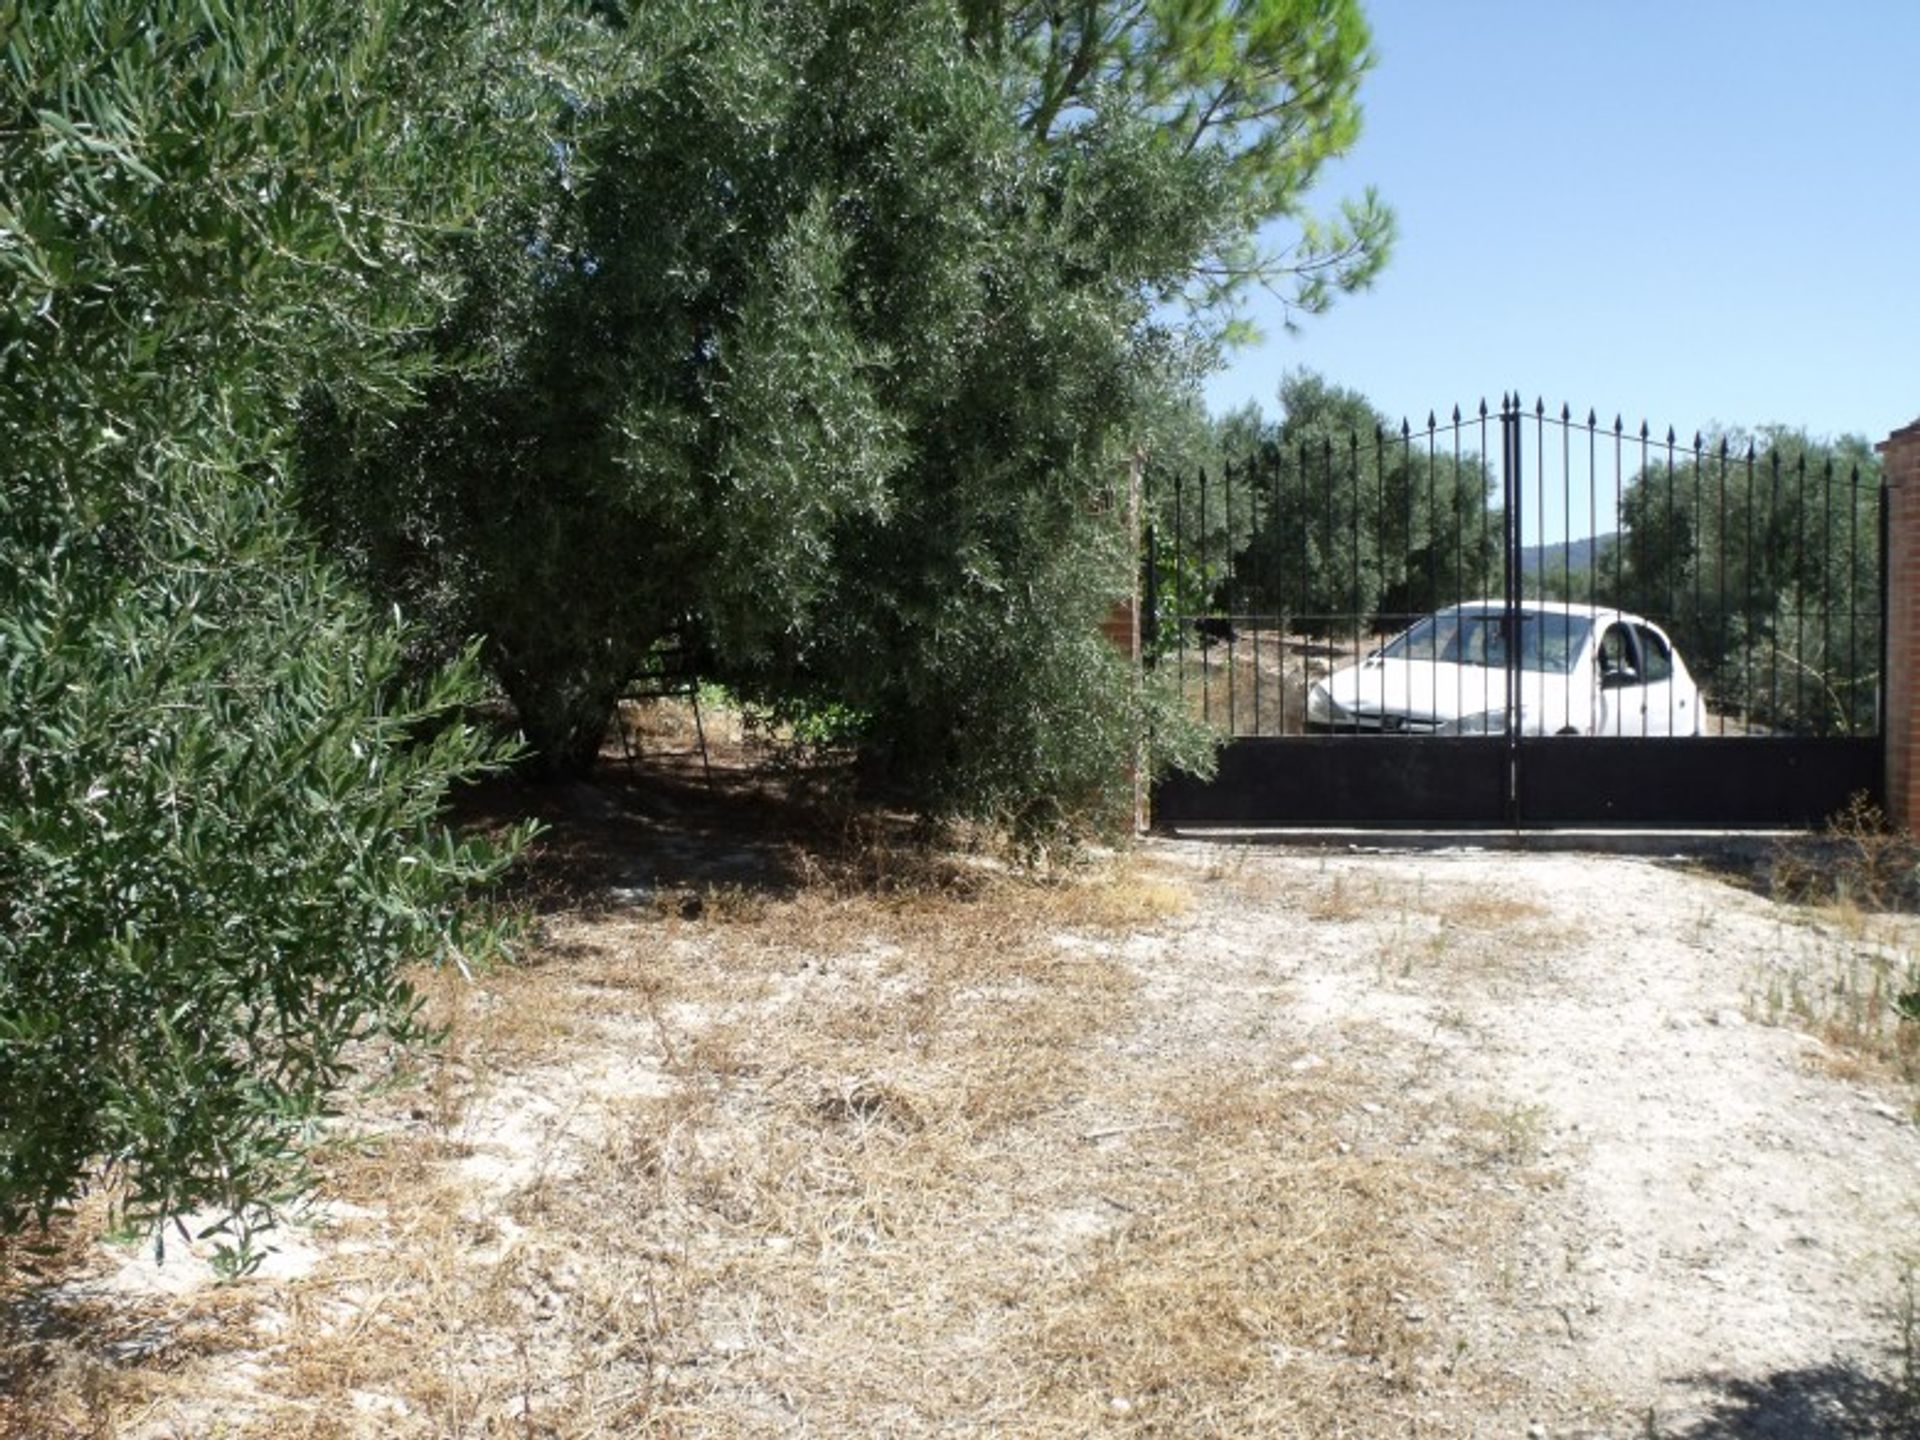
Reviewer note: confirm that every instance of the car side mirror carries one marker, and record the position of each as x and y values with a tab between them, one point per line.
1619	679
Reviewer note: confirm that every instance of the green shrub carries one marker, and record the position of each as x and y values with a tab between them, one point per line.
219	849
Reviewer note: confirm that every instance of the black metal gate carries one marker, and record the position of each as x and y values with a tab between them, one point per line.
1522	618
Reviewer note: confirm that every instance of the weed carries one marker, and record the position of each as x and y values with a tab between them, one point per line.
1512	1137
1852	998
1858	862
1345	900
1905	1406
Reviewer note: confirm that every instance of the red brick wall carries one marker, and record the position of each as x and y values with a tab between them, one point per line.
1902	452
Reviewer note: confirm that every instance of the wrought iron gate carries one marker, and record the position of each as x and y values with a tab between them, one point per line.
1516	617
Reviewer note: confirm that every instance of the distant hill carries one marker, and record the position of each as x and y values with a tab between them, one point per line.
1571	555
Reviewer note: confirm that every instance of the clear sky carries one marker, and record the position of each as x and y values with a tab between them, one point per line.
1683	211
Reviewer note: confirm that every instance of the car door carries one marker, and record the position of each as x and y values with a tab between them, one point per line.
1623	698
1666	712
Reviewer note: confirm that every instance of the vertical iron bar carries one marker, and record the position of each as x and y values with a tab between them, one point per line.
1746	603
1457	520
1699	535
1311	554
1231	556
1619	505
1255	574
1826	581
1275	457
1853	599
1593	510
1179	588
1460	530
1304	458
1486	525
1515	584
1566	536
1204	604
1329	553
1800	594
1381	544
1540	484
1566	503
1720	574
1259	572
1433	542
1353	596
1673	601
1771	586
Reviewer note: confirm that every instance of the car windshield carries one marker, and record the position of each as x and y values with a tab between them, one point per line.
1550	642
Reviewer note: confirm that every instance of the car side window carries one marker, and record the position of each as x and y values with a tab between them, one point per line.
1616	652
1656	661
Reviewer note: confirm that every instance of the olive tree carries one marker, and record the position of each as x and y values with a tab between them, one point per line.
1760	553
824	354
219	787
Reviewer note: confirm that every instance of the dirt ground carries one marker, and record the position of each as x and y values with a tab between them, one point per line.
1720	1224
769	1138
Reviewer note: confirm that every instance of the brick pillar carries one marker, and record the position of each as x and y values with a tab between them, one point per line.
1901	703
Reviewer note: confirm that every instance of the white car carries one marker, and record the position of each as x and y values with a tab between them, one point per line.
1584	670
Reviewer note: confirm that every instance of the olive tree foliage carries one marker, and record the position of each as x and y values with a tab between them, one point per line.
219	789
1329	516
810	361
680	402
1760	553
824	354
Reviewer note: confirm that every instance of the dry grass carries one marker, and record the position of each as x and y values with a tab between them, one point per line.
876	1155
1847	992
1857	865
1477	936
1854	889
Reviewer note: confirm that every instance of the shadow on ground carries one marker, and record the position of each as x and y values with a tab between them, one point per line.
1821	1402
635	830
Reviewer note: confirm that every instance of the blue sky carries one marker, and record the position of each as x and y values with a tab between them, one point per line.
1690	212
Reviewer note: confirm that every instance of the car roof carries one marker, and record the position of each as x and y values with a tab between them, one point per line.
1548	607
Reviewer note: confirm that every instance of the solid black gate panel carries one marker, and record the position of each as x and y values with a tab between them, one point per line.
1582	780
1343	780
1563	780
